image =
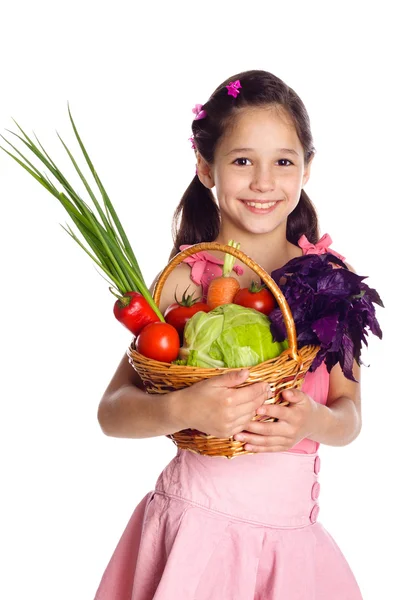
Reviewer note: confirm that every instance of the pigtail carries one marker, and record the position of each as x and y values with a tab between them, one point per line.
303	221
196	218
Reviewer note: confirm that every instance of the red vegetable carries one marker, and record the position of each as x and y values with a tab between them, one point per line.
257	297
178	313
159	341
133	311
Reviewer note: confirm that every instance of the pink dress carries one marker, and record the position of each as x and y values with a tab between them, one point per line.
240	529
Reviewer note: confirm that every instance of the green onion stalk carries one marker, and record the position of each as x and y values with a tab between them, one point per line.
108	245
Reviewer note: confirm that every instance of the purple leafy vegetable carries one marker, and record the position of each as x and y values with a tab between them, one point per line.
332	308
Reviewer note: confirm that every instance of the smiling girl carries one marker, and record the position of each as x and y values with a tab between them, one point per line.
218	529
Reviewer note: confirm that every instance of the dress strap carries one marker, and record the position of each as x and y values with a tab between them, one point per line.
321	247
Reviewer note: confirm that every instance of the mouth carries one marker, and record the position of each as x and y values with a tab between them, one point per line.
261	206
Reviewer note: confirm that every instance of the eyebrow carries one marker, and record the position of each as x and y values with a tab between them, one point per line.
287	150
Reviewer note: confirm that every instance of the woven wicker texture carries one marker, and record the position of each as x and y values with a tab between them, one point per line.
285	371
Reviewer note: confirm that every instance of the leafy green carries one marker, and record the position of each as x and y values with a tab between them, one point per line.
229	336
102	232
200	333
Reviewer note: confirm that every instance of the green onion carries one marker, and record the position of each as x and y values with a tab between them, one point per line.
100	227
229	259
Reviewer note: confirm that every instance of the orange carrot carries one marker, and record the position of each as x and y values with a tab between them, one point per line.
223	289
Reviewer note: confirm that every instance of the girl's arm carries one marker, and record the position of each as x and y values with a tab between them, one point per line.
339	422
126	410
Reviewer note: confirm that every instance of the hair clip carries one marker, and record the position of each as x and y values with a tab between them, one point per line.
233	88
197	110
191	139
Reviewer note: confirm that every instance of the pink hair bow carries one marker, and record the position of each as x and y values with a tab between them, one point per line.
321	247
233	88
199	261
199	112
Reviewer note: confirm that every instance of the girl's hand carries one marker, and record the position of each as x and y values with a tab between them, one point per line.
295	422
215	407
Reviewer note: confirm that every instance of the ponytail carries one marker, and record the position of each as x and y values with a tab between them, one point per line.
196	218
303	221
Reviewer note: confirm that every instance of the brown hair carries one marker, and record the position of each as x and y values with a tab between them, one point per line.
197	218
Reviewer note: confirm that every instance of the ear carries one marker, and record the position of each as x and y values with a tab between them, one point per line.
204	172
307	171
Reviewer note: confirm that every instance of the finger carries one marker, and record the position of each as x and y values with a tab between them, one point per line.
259	449
231	379
276	411
255	392
245	413
266	442
264	429
248	406
293	395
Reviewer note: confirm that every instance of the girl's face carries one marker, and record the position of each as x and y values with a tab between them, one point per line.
258	171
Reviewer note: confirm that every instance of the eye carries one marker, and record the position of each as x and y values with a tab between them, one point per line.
235	162
285	160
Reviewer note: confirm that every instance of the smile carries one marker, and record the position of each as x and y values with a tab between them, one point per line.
259	207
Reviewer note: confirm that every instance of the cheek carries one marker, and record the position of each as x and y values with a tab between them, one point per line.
226	187
230	183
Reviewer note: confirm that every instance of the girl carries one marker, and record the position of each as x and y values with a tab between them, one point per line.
245	528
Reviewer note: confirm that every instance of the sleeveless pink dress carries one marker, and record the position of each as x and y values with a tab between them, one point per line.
240	529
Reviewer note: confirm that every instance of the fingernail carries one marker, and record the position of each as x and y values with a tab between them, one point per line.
239	437
261	411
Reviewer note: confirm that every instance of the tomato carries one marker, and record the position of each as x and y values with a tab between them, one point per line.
257	297
159	341
178	313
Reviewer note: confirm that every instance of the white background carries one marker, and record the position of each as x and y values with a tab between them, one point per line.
132	76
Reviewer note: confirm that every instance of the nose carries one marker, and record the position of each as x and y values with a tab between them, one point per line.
263	179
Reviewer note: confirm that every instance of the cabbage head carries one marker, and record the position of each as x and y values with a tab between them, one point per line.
229	336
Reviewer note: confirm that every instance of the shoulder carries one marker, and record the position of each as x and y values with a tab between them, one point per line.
350	268
176	283
322	246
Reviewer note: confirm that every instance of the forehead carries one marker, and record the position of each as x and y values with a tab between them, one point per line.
259	127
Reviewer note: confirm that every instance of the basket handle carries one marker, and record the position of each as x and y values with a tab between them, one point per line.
267	279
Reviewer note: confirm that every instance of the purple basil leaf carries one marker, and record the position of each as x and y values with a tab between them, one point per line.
331	307
346	360
326	328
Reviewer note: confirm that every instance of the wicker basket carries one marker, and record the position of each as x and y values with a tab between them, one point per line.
285	371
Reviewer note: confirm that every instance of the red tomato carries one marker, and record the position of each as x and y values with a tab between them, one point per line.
256	297
159	341
178	315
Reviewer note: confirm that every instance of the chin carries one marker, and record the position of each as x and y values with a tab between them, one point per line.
259	228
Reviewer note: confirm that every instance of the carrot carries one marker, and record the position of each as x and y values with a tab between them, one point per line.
223	289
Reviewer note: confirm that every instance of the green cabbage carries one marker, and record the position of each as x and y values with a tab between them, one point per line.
229	336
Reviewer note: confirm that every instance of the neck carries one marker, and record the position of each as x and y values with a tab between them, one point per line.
269	250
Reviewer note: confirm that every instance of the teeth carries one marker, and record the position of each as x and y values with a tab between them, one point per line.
261	204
